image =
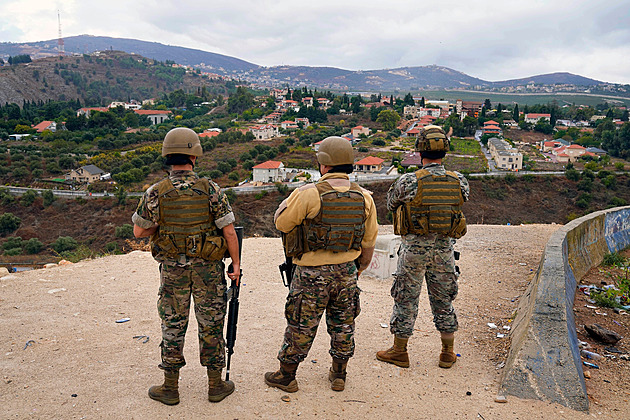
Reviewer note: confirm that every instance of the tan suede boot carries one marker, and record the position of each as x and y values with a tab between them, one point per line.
337	374
397	354
284	378
218	389
447	356
168	392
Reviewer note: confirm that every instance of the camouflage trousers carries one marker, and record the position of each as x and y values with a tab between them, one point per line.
429	257
207	285
331	288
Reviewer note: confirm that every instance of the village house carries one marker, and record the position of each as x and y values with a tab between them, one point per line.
264	131
289	125
468	108
534	118
570	153
85	174
504	155
492	127
358	130
269	171
308	101
88	111
305	122
369	164
155	115
324	103
45	125
412	159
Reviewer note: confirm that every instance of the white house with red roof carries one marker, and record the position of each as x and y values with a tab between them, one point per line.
324	103
45	125
358	130
157	116
570	153
308	101
209	134
369	164
534	118
305	122
491	127
88	111
270	171
289	125
264	131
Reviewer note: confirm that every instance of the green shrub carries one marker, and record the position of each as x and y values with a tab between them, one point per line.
112	247
510	178
614	258
48	198
33	246
64	243
13	251
363	149
12	242
618	202
233	176
28	198
260	195
9	223
124	232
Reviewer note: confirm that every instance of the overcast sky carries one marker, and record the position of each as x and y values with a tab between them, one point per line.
492	40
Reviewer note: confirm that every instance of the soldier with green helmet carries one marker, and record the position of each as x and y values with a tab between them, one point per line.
191	226
427	209
326	227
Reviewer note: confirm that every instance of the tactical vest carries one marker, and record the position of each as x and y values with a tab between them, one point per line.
435	208
187	228
339	226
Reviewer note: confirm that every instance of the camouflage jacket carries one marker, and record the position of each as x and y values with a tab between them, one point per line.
148	213
405	188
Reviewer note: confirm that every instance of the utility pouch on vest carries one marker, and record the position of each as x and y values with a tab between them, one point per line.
214	248
459	226
293	242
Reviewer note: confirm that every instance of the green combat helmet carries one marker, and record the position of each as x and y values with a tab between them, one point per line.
432	139
182	140
335	151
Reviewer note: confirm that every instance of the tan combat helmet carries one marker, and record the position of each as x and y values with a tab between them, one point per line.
182	140
335	151
432	139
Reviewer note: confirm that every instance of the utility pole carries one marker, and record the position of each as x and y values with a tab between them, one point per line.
60	46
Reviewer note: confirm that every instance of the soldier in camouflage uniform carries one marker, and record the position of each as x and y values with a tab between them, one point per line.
191	226
326	227
427	214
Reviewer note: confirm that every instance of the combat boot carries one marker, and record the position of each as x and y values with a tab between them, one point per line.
397	354
447	356
337	374
218	389
284	378
168	392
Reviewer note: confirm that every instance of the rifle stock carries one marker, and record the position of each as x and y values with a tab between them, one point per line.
232	296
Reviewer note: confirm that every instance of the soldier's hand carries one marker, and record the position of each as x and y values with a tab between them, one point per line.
235	273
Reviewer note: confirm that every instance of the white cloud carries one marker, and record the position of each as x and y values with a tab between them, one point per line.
486	39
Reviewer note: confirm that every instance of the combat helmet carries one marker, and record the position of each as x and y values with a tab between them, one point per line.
182	140
432	139
335	151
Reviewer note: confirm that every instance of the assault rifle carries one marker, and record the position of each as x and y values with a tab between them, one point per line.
232	295
456	257
286	271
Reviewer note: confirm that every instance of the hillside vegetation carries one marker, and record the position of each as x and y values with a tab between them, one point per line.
97	79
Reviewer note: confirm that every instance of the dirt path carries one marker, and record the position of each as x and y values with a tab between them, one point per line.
82	364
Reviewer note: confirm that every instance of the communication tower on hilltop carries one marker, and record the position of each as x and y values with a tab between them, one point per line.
60	47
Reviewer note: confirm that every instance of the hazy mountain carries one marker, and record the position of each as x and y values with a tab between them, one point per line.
403	79
550	79
86	44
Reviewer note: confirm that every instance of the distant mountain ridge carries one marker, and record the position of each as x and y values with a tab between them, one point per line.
403	78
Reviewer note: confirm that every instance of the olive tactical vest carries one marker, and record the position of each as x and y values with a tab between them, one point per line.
435	208
339	226
187	226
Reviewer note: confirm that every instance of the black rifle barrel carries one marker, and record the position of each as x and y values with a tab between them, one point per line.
233	305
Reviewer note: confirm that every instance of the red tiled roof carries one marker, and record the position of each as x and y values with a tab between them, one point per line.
42	126
576	146
270	164
538	115
491	122
209	134
151	111
370	160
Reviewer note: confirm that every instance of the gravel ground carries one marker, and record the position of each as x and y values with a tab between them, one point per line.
82	364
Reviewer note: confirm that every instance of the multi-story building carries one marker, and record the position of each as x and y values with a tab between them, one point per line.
504	155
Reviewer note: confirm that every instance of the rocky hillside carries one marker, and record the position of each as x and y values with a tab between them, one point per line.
97	79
